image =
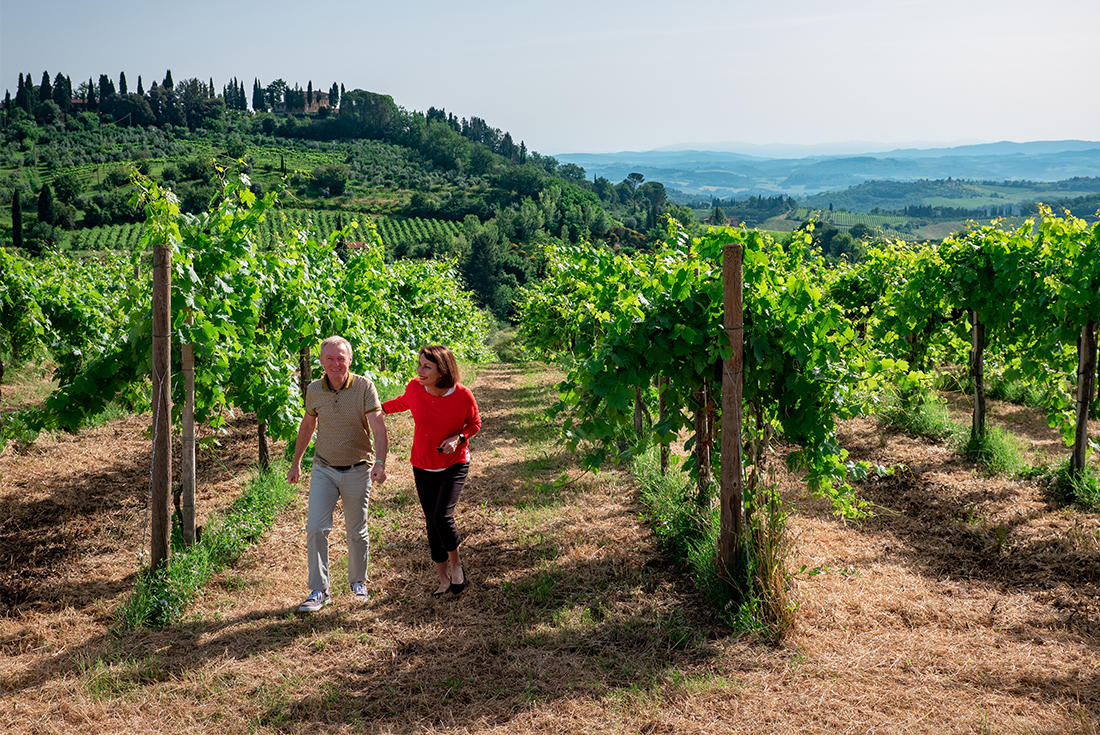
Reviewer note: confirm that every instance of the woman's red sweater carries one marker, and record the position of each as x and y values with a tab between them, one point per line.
436	419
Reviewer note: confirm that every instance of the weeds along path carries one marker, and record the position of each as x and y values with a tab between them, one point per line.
574	621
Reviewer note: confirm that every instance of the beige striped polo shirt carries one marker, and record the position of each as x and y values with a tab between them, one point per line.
343	436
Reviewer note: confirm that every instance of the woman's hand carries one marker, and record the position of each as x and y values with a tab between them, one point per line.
449	445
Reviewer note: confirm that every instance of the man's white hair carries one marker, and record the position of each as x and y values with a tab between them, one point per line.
336	340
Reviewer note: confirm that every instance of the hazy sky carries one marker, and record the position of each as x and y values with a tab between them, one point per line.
601	76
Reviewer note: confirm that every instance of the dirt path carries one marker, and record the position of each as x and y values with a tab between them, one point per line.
968	605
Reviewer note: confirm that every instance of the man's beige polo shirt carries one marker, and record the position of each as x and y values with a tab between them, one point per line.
343	436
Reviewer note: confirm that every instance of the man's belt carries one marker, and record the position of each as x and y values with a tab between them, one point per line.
346	467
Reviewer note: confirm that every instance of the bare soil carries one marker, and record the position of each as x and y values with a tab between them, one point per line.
967	604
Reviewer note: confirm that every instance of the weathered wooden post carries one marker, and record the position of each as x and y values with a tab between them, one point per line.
305	371
731	534
977	374
662	408
1086	373
161	489
187	458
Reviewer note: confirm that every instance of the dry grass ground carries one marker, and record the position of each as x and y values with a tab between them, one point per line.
967	605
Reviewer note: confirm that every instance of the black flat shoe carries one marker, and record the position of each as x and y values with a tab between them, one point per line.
457	588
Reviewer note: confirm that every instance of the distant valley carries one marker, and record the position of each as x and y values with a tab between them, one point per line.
730	174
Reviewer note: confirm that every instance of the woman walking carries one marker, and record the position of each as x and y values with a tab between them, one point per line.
445	417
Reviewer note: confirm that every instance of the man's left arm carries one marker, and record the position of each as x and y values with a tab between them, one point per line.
381	445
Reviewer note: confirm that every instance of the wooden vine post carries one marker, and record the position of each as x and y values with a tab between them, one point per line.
662	408
731	533
977	373
187	459
305	371
161	486
1086	374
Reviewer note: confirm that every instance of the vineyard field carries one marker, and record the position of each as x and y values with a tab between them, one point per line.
885	225
395	232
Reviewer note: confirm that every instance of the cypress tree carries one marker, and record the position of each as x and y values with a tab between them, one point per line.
122	90
16	221
140	89
258	97
333	96
45	205
106	88
61	92
168	80
28	94
309	94
45	90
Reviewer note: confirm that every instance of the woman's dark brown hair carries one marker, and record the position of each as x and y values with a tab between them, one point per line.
445	362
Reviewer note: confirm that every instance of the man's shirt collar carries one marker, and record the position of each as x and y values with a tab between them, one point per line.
326	386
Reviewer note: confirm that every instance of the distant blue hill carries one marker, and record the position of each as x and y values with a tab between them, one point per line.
738	174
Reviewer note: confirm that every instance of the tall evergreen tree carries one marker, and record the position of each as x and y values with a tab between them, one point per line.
62	92
258	97
333	96
140	89
21	92
309	93
106	88
30	97
168	80
16	220
45	205
45	89
122	90
7	101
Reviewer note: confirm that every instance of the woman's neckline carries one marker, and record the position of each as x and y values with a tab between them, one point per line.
441	395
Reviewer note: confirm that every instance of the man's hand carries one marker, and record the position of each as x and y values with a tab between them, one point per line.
378	474
301	443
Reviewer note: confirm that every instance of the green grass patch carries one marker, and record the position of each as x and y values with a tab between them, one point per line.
1000	452
106	680
161	597
921	413
1082	490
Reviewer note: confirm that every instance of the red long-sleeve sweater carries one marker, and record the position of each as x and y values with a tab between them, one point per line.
437	418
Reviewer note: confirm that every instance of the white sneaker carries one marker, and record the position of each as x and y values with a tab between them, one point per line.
359	589
316	600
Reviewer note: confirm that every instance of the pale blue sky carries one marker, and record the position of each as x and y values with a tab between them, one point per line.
571	75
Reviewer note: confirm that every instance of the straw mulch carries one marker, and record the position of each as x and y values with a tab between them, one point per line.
966	605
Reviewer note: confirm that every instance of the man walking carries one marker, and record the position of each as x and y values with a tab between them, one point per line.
345	411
